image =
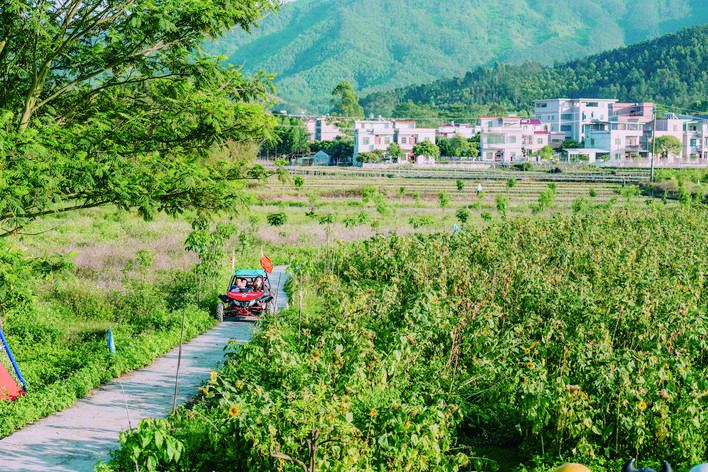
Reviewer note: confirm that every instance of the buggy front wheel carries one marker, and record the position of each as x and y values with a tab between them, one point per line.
220	311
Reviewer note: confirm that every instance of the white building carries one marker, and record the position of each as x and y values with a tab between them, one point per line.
572	116
371	135
509	138
465	130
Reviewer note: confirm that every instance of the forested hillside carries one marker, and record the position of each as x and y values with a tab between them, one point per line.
671	70
312	45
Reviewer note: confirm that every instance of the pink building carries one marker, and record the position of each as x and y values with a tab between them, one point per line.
511	138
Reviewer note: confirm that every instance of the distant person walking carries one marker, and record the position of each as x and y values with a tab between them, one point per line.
479	189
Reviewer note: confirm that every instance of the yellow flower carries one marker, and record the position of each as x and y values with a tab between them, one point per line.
212	377
203	390
234	410
528	350
374	412
642	406
328	417
530	365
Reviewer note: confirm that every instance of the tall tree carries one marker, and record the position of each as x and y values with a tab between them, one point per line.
346	101
666	145
115	103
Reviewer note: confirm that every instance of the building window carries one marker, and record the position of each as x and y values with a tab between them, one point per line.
512	139
693	143
495	139
566	127
592	141
617	141
541	105
387	140
592	105
567	117
539	141
365	141
404	140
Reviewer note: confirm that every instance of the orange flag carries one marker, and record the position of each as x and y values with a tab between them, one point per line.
265	263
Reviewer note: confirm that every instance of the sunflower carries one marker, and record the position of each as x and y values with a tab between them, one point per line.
530	366
203	390
234	410
642	405
212	377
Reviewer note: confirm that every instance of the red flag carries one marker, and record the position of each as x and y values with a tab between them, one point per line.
265	263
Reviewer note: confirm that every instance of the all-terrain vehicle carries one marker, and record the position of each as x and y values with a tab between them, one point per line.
248	297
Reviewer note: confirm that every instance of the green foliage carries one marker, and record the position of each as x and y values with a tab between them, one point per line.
502	201
394	152
427	149
463	215
298	182
511	183
460	185
592	192
666	146
150	444
277	219
346	101
368	156
580	204
311	52
367	193
486	216
420	221
117	104
545	199
667	70
443	199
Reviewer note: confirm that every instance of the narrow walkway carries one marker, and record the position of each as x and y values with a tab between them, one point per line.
75	439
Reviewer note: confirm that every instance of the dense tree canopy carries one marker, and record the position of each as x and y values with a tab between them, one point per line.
670	70
114	103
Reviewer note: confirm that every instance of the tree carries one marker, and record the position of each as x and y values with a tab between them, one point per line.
114	103
394	152
460	185
298	182
666	145
346	101
426	148
545	153
444	199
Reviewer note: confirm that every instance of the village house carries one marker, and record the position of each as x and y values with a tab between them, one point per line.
509	138
371	135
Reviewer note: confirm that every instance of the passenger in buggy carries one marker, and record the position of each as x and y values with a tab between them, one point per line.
240	286
258	284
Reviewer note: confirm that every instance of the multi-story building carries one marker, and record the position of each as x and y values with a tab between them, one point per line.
379	134
620	140
326	129
572	116
465	130
504	139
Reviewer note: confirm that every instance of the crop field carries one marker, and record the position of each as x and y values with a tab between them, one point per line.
565	323
520	345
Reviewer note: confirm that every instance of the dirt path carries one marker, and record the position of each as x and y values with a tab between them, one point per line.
75	439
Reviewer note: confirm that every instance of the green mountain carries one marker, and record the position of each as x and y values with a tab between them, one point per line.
312	45
671	70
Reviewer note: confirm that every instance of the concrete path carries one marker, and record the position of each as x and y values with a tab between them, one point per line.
75	439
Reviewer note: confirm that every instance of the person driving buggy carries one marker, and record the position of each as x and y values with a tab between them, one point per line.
240	286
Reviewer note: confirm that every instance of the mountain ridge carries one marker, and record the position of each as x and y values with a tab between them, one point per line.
312	45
